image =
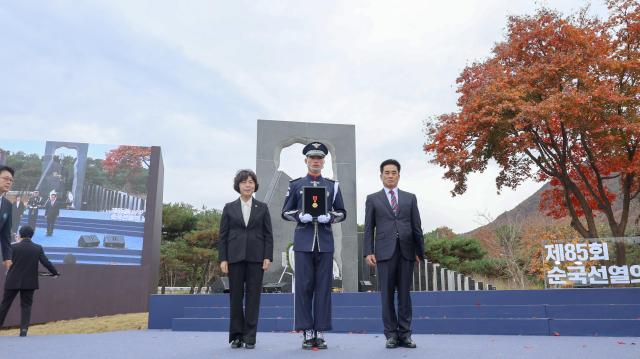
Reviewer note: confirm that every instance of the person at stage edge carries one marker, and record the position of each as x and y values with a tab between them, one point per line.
6	181
245	250
313	248
16	215
22	277
393	241
52	211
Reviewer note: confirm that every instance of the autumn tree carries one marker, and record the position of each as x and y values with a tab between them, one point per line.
556	101
127	167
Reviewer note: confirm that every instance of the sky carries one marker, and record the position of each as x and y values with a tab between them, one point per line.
194	76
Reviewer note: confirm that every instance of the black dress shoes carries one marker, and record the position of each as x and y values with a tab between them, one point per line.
249	346
391	343
407	343
23	332
320	343
236	343
308	340
307	344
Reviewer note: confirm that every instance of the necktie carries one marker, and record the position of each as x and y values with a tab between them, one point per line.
394	202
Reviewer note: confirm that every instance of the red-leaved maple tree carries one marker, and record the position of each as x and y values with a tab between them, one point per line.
128	162
556	101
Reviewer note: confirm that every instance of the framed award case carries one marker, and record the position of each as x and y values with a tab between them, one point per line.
314	201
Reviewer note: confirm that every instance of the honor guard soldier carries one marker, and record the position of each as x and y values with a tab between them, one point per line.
33	204
313	247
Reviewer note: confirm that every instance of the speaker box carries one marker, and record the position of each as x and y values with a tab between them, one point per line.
113	241
88	240
366	286
220	285
273	288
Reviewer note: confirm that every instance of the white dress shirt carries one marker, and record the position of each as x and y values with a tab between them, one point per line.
246	209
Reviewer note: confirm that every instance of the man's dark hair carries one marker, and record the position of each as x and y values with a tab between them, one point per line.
8	169
242	176
26	232
390	162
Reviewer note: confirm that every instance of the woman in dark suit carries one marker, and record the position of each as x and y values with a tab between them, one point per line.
245	251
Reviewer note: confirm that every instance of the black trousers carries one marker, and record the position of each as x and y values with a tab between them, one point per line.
33	217
313	276
245	287
51	222
26	300
396	273
16	223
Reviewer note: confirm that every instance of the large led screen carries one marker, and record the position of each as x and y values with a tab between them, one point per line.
87	202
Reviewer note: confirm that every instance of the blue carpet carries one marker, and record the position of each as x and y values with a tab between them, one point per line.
160	344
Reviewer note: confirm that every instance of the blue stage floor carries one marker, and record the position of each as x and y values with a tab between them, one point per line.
161	344
73	224
67	238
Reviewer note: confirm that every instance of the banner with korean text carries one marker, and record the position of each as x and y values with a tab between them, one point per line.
608	262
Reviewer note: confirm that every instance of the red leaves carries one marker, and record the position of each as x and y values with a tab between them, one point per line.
552	202
127	162
558	99
127	157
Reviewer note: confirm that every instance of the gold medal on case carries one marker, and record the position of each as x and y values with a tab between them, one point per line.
314	201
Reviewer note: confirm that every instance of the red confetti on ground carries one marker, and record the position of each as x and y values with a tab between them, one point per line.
556	334
621	342
314	349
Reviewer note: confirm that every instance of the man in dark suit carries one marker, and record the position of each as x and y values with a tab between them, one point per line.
22	277
6	181
245	250
52	211
392	217
16	215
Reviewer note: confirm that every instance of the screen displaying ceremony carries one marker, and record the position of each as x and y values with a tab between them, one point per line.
86	202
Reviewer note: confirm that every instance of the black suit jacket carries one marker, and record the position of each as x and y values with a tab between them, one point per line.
53	210
240	242
5	228
387	228
23	274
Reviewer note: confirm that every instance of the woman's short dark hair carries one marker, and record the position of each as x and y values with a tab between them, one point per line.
389	162
8	169
242	176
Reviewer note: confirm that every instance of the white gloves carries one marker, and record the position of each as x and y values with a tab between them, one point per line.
324	218
305	217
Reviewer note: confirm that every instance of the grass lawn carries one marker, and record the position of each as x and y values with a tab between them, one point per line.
111	323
